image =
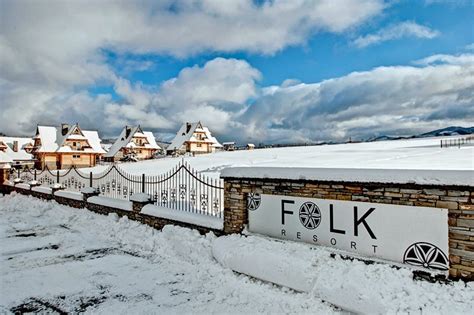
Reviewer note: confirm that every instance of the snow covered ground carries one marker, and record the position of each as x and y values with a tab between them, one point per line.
59	258
56	258
421	154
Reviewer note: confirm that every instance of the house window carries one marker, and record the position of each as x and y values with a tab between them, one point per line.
199	145
76	156
73	144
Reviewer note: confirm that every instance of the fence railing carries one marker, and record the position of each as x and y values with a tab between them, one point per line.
181	188
456	142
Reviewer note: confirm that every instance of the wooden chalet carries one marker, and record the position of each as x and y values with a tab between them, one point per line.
133	144
66	146
193	138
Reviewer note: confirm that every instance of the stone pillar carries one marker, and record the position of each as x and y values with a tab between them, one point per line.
235	207
4	176
33	184
55	188
88	192
140	200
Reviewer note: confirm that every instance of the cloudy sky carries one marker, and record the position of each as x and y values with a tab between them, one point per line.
253	71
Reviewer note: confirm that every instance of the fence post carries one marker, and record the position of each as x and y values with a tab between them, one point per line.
143	183
35	174
90	179
57	176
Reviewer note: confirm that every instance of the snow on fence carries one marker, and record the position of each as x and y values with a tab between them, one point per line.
456	142
181	188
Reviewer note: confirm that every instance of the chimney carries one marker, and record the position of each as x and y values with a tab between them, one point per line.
188	127
64	129
127	131
15	146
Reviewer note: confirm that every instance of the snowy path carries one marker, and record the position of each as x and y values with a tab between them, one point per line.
55	258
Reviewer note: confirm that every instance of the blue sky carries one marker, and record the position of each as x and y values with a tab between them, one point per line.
269	71
327	55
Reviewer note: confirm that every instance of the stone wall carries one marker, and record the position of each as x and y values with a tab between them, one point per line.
70	202
152	221
457	199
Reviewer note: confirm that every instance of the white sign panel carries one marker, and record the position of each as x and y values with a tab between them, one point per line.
413	235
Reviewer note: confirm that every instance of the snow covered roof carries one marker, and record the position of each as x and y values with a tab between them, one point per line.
151	140
52	139
94	140
215	143
5	158
186	133
124	141
21	154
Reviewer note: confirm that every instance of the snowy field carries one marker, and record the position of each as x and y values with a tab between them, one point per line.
422	154
60	259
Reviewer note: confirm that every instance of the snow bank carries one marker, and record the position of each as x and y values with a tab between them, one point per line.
246	257
422	177
111	265
184	216
352	285
42	189
110	202
69	194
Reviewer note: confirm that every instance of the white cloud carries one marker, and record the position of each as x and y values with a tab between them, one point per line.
52	50
211	93
396	31
385	100
463	59
224	94
470	46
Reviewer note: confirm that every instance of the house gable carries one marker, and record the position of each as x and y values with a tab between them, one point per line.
132	138
50	139
193	137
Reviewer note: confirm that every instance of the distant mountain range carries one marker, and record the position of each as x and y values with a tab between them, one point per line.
449	131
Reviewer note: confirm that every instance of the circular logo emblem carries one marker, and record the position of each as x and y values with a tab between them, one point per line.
253	201
425	255
310	215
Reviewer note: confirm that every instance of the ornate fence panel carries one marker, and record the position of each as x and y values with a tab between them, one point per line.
115	183
185	189
73	179
46	177
181	188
